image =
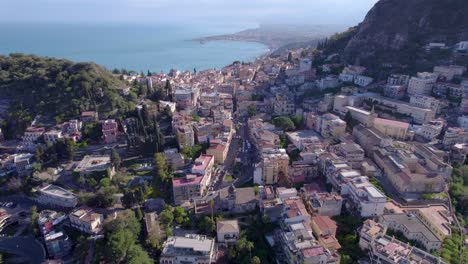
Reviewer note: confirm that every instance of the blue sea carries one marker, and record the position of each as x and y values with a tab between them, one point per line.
133	47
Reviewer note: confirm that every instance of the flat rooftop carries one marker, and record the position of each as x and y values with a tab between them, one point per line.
57	191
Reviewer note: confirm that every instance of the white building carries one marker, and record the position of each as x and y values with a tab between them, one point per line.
364	197
362	80
422	84
191	249
56	196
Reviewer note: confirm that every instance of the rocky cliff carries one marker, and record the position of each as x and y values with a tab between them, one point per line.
398	25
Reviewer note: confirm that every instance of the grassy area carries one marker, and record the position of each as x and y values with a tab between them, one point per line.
430	196
228	178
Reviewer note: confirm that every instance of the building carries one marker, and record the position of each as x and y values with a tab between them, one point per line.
363	198
430	130
219	151
362	116
304	139
384	249
58	244
398	80
189	187
92	164
448	72
167	105
353	153
56	196
395	91
368	138
110	131
362	80
31	135
52	136
329	125
274	165
325	204
394	129
21	163
462	46
227	231
191	249
412	228
400	108
185	136
89	116
324	229
422	84
237	200
454	135
174	158
409	172
86	220
427	102
203	165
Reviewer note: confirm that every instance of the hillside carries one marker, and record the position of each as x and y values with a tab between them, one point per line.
396	27
57	88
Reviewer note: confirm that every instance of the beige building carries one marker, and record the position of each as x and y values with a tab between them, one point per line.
227	231
85	220
275	165
394	129
329	125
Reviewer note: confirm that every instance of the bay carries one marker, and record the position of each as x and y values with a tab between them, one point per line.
131	46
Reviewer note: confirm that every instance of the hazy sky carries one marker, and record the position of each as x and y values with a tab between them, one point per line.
343	12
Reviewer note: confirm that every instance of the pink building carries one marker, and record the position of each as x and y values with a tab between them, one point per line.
110	131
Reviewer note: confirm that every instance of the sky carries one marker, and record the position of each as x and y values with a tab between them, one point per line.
338	12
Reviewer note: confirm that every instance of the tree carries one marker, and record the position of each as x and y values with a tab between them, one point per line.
136	255
180	216
284	122
115	158
167	216
297	120
160	167
34	217
139	214
251	110
206	225
256	260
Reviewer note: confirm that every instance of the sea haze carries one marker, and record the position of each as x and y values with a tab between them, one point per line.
134	47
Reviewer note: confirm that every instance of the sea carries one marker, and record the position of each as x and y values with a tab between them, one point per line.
138	47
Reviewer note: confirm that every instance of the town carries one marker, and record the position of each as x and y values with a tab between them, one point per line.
293	158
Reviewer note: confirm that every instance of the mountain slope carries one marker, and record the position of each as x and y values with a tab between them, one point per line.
57	88
392	26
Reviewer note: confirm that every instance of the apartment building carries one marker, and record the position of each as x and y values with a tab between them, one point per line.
363	197
274	165
422	84
352	153
191	249
52	136
329	125
86	220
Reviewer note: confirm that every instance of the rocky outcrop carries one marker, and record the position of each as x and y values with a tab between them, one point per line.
394	25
